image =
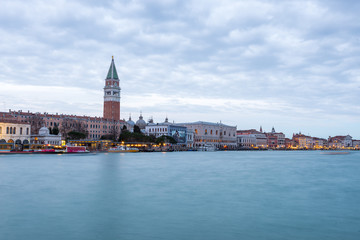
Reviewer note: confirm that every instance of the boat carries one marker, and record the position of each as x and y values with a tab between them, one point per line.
122	149
207	148
75	149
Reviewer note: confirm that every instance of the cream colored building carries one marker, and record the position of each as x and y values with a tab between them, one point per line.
218	135
15	133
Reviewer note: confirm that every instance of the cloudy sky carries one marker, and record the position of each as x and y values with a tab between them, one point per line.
294	65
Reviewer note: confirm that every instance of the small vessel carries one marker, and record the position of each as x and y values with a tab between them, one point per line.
207	148
122	149
76	149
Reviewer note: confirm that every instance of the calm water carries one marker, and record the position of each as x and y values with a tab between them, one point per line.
186	195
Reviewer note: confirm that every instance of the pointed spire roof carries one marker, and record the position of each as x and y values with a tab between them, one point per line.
112	73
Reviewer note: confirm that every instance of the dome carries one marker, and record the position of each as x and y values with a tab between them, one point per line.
151	122
130	122
44	131
141	123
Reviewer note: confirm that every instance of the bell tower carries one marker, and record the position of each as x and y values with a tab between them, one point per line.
112	94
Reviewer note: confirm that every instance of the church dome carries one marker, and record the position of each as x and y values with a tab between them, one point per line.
141	122
44	131
130	122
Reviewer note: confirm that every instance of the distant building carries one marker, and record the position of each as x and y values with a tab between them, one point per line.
14	132
320	143
275	139
356	144
340	141
179	133
251	138
218	135
44	137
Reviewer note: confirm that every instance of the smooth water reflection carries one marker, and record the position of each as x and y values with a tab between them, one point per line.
185	195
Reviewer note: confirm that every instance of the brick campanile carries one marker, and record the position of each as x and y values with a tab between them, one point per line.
112	94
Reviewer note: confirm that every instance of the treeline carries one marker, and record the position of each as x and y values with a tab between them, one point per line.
138	136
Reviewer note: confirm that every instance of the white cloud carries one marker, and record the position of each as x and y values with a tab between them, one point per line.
239	61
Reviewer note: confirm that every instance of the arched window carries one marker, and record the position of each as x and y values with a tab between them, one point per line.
21	131
216	132
205	131
10	130
27	131
211	132
0	130
14	131
196	131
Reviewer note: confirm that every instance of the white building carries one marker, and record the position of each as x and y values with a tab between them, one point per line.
246	141
251	138
190	134
44	137
179	133
216	134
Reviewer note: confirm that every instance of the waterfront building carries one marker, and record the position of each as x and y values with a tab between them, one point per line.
320	143
275	139
306	142
217	135
190	134
340	141
44	137
356	144
14	134
251	138
179	133
93	127
246	141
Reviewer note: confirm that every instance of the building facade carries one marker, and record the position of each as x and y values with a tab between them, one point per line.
44	137
217	135
179	133
14	134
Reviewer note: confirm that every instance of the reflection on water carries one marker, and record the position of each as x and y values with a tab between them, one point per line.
180	195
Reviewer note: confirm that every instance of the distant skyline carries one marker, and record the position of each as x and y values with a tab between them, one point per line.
294	65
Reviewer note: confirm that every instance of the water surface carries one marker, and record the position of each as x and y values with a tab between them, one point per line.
181	195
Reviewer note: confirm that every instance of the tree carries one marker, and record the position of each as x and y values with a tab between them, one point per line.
55	130
36	122
108	137
69	124
137	129
73	135
165	139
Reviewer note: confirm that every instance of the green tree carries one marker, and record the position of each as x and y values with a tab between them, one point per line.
55	130
137	129
76	135
165	139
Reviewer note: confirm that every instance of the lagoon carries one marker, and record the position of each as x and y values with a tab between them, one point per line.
181	195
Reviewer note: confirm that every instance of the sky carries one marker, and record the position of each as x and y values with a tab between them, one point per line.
294	65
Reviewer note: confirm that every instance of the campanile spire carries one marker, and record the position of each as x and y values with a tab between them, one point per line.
112	94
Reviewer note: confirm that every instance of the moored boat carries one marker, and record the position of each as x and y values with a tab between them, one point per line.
122	149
